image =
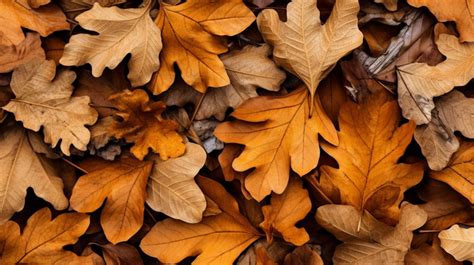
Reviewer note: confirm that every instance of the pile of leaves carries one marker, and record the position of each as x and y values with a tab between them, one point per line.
236	132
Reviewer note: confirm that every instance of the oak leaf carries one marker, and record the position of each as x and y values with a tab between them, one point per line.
433	255
460	11
22	165
459	173
216	240
459	242
121	31
248	69
369	241
303	255
12	56
418	83
276	132
43	239
285	211
306	48
17	14
171	188
121	253
191	34
437	140
369	176
143	125
123	184
43	98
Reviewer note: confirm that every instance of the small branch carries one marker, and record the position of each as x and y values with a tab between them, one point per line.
74	165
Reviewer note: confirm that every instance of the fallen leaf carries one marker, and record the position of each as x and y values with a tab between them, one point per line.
429	254
143	125
438	143
72	8
276	251
191	34
460	11
54	48
123	184
303	255
369	175
43	98
306	48
121	31
43	239
276	132
263	258
418	83
15	15
121	253
171	187
391	5
217	239
21	168
12	56
262	3
459	174
248	69
459	242
285	211
369	241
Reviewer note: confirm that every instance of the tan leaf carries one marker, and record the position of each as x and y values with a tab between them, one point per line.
426	254
15	15
460	11
369	175
277	132
121	31
121	253
391	5
418	83
45	100
196	54
123	184
369	241
171	187
459	242
43	239
453	112
459	173
72	8
216	240
12	56
305	47
285	211
143	125
22	167
248	69
303	255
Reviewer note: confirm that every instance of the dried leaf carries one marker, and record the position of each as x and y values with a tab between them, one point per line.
418	83
123	184
277	132
143	125
196	54
218	239
369	175
459	242
12	56
43	239
369	241
460	11
303	255
459	173
248	69
306	48
285	211
121	253
433	255
45	100
15	15
171	187
121	31
391	5
21	168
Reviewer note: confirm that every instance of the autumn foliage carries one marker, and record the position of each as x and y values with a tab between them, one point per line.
241	132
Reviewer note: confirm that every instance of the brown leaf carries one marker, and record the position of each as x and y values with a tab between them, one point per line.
285	211
248	69
277	132
218	239
459	173
197	52
369	241
12	56
123	184
43	239
121	253
459	242
306	48
143	125
303	255
43	99
426	254
21	167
